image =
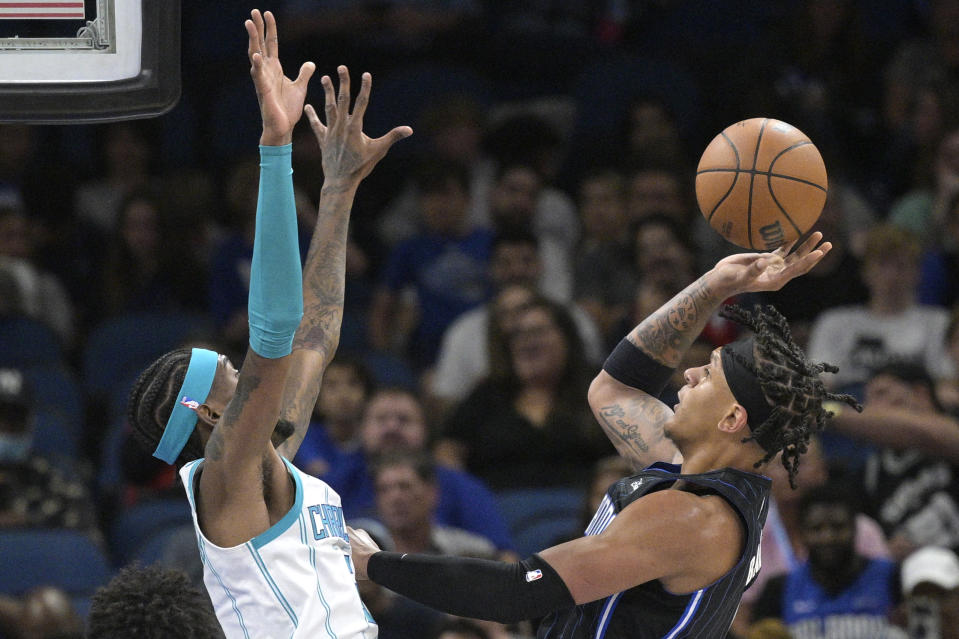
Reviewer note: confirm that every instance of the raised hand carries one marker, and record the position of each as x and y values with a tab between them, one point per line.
751	272
281	99
348	153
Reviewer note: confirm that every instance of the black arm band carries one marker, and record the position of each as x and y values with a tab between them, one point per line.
476	588
630	365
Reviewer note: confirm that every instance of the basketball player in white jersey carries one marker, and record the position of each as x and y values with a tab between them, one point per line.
272	539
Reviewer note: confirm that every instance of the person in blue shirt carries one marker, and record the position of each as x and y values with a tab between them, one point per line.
446	265
837	593
334	426
394	422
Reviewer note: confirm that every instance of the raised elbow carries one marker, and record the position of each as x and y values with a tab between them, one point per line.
599	389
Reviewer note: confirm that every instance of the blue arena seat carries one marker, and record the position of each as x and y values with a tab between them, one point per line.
120	347
136	525
25	341
154	548
537	517
60	411
68	559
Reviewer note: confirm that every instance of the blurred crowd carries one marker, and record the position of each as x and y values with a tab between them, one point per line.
543	207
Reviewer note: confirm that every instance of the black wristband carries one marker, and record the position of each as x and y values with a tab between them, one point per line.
630	365
475	588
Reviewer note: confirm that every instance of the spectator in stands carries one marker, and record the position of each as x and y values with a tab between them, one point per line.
32	291
603	270
34	492
664	255
836	592
606	471
445	265
149	265
912	479
393	421
653	188
127	154
406	498
650	133
334	430
947	390
526	425
930	587
521	199
232	253
925	210
890	326
464	355
783	548
453	127
836	280
938	284
42	613
919	97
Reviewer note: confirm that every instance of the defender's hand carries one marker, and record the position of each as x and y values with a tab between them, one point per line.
281	99
363	546
348	154
752	272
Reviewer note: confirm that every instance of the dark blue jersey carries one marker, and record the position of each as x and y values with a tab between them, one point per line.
649	611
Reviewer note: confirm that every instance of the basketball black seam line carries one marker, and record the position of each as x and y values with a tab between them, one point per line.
731	186
769	182
766	173
752	180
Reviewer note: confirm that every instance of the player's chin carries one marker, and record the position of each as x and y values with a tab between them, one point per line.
668	428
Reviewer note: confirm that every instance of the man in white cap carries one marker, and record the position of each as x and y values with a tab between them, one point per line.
930	586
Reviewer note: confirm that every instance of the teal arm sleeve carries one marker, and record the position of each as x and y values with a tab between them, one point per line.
276	279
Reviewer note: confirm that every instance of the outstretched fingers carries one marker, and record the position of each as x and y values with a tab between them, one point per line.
306	72
270	38
319	129
362	100
257	36
383	143
809	244
329	100
253	37
343	97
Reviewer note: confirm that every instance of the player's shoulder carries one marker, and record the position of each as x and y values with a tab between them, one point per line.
708	514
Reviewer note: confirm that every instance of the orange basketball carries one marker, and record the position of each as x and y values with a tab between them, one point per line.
761	183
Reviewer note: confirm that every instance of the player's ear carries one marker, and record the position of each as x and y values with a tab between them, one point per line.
735	419
206	415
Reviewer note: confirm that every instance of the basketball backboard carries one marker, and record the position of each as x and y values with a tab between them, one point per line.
78	61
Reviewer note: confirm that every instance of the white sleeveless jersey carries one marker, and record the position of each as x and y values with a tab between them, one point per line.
293	580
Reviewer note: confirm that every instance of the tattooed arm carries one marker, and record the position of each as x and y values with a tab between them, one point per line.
348	157
633	419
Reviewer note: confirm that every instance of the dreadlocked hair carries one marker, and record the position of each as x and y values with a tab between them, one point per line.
152	399
790	383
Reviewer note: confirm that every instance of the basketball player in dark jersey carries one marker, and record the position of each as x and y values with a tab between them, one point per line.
670	549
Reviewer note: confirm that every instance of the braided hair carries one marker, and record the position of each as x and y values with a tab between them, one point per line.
152	399
789	382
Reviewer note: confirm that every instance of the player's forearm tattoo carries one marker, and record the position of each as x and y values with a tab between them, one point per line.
635	427
614	423
249	382
324	279
666	334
